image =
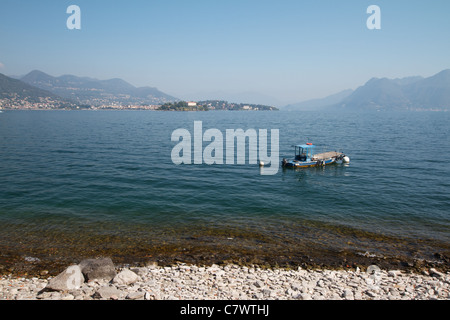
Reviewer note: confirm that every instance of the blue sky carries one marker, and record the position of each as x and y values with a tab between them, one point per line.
289	50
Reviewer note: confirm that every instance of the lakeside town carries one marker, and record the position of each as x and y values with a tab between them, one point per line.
48	103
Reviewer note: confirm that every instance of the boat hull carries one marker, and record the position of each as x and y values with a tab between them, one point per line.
306	164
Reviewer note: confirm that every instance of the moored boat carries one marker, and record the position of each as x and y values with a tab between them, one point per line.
305	157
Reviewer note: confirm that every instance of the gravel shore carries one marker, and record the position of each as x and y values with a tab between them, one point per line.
232	282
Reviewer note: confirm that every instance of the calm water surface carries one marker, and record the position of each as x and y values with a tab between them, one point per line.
75	183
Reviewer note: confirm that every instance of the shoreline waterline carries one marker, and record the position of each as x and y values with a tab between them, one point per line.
31	253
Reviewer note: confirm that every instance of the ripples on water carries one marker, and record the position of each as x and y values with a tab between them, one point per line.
67	178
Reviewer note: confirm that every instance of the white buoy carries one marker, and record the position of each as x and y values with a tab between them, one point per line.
346	160
261	164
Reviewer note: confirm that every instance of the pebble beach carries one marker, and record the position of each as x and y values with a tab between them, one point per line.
229	282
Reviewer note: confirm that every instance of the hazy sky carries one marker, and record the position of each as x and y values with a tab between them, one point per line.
292	50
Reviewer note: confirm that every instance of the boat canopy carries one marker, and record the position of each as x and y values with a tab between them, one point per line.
304	151
305	146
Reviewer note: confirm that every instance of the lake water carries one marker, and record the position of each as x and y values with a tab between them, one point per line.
79	184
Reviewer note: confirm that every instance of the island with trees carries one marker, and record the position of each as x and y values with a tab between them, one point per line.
213	105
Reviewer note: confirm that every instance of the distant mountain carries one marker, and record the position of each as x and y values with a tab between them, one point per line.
317	104
413	93
432	92
410	93
15	93
407	80
376	94
95	92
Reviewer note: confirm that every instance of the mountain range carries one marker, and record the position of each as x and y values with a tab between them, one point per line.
16	93
316	104
411	93
89	91
40	90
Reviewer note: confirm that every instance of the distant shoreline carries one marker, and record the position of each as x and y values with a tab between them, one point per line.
250	111
125	109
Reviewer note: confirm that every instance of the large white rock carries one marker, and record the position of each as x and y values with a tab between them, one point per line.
126	277
69	279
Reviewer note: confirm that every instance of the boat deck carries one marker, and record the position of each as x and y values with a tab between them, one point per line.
326	155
